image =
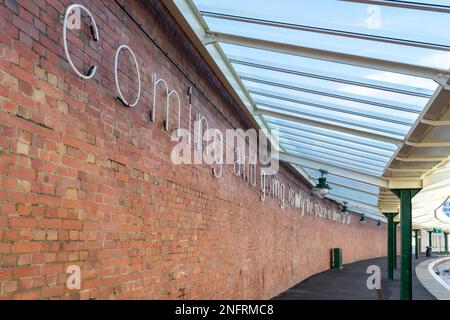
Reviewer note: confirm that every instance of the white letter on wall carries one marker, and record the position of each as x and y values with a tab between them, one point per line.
116	76
94	30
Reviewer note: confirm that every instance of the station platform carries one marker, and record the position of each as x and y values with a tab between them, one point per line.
350	284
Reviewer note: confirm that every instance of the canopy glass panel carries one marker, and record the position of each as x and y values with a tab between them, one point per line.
344	82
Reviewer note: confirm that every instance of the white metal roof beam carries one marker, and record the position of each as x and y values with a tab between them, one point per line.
405	5
429	144
343	162
329	126
331	137
367	83
359	202
330	146
327	31
333	180
334	94
262	106
338	57
331	108
342	185
436	123
333	169
368	211
330	152
423	159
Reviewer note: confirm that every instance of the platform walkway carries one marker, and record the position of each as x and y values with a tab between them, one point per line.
350	284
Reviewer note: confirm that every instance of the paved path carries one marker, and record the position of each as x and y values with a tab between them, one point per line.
350	284
434	284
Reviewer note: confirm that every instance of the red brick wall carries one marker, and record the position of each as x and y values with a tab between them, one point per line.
87	181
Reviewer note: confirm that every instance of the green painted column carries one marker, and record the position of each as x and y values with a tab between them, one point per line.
446	242
405	196
430	238
390	245
416	242
395	243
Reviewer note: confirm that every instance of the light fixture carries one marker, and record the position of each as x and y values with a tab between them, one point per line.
344	207
321	189
362	218
378	223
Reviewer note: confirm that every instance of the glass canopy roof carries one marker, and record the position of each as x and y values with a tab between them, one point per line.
344	81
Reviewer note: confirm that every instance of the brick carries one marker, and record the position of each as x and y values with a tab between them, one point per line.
22	173
22	148
23	209
24	259
22	222
52	235
52	79
10	286
23	247
25	88
25	283
9	106
26	27
23	185
6	274
24	272
9	261
11	235
71	193
50	223
39	235
71	224
27	295
25	137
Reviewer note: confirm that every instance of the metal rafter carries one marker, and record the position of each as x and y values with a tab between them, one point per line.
405	5
332	152
337	170
332	94
332	56
345	198
261	106
328	107
366	83
331	146
429	144
432	158
326	31
344	162
358	207
349	187
436	123
354	144
347	183
330	126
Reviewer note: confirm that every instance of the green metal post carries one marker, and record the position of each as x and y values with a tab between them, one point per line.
405	196
416	242
430	238
446	242
390	245
395	243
